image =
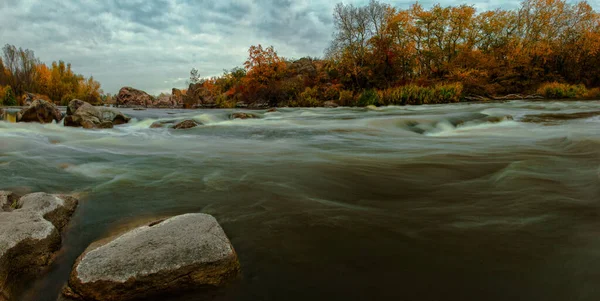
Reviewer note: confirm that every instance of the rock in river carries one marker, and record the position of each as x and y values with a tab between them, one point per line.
83	114
185	252
330	104
186	124
40	111
29	236
242	115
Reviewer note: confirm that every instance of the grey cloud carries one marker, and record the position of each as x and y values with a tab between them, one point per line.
152	45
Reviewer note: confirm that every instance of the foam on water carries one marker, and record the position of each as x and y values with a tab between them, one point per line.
457	195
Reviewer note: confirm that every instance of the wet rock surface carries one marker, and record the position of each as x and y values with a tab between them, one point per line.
130	97
30	230
241	115
186	124
83	114
178	254
40	111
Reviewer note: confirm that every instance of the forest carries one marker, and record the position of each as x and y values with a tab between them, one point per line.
21	73
384	55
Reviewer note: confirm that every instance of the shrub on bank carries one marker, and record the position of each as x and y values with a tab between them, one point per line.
368	98
346	98
557	90
308	98
221	101
593	93
7	96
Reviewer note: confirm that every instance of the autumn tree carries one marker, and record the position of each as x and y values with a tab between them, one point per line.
263	70
21	66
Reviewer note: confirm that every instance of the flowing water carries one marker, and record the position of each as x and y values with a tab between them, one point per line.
448	202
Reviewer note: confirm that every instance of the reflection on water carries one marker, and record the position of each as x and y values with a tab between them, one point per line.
445	202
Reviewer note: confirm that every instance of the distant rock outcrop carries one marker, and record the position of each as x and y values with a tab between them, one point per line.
40	111
198	96
194	96
30	230
177	97
130	97
164	101
185	252
83	114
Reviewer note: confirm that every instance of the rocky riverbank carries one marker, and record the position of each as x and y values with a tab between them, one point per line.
30	236
189	252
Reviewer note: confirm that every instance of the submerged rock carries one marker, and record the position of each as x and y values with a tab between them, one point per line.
554	118
83	114
161	124
186	124
40	111
185	252
272	110
241	115
30	236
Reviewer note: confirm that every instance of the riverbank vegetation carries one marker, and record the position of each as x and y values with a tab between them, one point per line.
382	55
22	74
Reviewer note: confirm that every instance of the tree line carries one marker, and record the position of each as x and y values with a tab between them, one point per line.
21	73
382	55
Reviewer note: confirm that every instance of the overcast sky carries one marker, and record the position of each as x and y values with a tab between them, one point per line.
153	44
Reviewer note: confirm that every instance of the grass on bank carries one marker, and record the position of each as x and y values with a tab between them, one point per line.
557	90
417	95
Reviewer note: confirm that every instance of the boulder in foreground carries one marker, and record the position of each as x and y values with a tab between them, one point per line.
40	111
30	229
182	253
83	114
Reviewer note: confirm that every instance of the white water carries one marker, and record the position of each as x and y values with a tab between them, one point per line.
438	202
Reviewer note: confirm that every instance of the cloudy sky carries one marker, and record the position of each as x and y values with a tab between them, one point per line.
152	44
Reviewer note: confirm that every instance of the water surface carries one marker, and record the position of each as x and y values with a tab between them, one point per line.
447	202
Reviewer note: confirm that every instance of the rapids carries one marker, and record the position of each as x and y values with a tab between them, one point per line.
496	201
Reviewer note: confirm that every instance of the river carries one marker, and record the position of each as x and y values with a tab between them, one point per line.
497	201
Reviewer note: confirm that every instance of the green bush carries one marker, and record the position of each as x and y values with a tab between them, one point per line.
368	98
222	101
308	98
9	97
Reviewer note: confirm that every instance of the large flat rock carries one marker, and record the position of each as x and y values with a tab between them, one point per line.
30	236
186	252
